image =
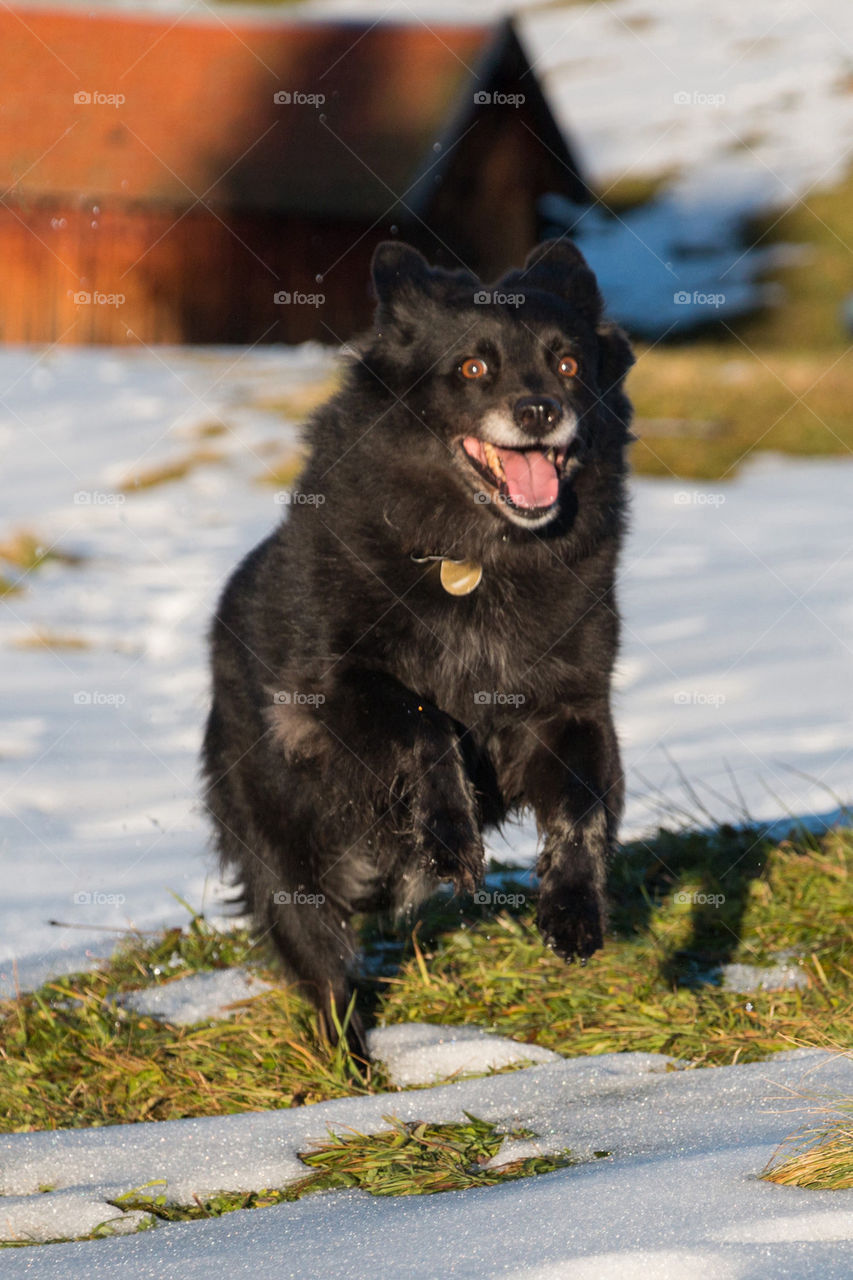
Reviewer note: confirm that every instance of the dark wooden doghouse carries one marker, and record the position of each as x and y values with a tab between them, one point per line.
226	180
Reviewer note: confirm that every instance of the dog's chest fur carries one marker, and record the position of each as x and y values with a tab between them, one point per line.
512	644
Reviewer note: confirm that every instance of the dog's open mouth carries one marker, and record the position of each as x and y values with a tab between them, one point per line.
528	478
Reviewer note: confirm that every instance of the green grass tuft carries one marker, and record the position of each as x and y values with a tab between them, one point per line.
652	987
422	1159
69	1058
407	1159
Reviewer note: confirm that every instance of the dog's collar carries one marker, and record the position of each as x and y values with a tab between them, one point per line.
458	577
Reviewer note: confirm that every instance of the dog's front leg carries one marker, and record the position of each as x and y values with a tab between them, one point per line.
574	782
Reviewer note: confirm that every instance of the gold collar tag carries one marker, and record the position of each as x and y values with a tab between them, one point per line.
460	577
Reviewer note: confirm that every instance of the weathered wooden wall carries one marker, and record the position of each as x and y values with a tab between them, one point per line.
92	274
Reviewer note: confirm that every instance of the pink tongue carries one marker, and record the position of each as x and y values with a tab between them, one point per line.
531	479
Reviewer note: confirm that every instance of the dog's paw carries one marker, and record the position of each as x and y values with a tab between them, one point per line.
571	920
452	849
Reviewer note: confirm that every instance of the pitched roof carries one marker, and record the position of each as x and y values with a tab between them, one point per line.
98	105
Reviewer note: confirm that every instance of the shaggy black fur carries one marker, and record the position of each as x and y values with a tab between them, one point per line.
366	725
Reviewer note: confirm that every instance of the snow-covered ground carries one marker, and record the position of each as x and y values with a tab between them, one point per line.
677	1197
735	671
99	745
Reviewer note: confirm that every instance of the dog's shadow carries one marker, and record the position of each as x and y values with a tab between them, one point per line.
692	888
709	878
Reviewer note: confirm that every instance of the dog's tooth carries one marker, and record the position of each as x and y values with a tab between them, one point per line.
551	455
493	458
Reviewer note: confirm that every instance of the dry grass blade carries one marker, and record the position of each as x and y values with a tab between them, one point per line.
416	1158
819	1157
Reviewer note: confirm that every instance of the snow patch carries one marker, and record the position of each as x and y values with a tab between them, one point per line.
64	1215
196	998
416	1053
784	976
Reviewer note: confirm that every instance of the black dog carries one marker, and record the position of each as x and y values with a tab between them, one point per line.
426	643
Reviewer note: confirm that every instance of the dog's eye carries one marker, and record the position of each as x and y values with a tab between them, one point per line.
568	366
473	368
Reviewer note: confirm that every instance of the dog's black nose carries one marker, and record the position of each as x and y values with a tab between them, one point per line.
537	414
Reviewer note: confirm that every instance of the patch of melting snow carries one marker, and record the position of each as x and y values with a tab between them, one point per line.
418	1053
746	978
65	1215
196	998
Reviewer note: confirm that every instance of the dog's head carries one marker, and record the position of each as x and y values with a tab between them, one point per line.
519	384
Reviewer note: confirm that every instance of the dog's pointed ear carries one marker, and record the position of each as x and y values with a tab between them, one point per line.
615	356
399	273
558	266
560	254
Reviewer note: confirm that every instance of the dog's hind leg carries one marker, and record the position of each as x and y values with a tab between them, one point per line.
317	948
306	922
278	883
